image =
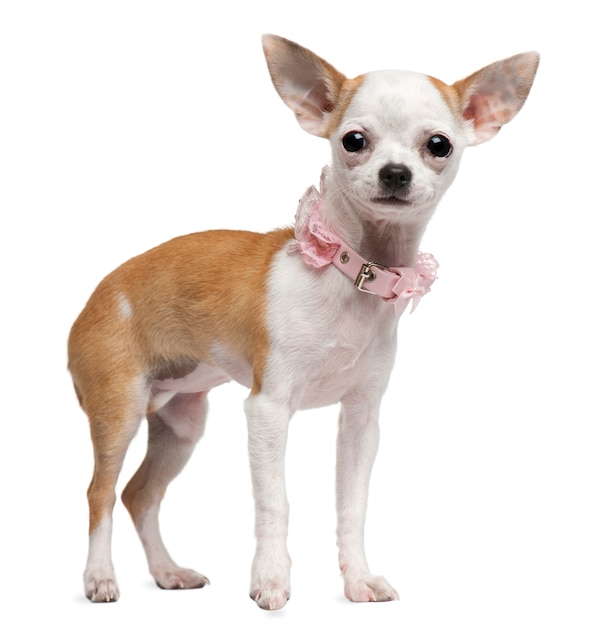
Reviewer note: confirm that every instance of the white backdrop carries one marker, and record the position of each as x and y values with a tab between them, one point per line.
123	124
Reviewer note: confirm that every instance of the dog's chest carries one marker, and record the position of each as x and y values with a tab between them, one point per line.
326	337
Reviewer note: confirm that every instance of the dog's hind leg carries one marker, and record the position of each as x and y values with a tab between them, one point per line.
112	430
173	433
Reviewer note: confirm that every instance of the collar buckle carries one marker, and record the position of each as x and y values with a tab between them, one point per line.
367	274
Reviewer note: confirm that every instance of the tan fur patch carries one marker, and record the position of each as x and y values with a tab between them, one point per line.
451	96
185	294
347	92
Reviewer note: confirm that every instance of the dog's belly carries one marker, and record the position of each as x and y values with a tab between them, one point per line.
203	378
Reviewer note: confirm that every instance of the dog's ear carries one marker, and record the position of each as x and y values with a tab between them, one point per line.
492	96
309	86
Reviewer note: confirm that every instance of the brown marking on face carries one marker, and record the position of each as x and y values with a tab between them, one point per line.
451	97
346	94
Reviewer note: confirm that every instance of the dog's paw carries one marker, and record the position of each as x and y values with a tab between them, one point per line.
270	595
371	589
101	589
180	578
270	585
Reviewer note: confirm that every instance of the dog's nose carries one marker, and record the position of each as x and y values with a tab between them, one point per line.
395	177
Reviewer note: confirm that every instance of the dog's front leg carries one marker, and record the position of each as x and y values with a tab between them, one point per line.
358	440
268	423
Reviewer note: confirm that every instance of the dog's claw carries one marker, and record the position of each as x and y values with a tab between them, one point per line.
102	591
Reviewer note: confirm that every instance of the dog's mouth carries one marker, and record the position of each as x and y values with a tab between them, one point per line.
392	201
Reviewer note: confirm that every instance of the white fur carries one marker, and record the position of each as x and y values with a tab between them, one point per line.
322	346
126	310
99	576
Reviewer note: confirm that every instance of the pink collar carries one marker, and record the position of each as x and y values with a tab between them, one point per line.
320	247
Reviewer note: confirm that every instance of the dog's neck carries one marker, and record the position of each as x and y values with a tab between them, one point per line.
394	244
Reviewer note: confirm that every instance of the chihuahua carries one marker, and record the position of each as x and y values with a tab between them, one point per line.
303	317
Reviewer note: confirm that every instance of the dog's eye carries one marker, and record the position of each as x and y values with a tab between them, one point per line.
354	142
439	146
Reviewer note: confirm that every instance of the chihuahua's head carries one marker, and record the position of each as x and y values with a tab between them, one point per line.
397	137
